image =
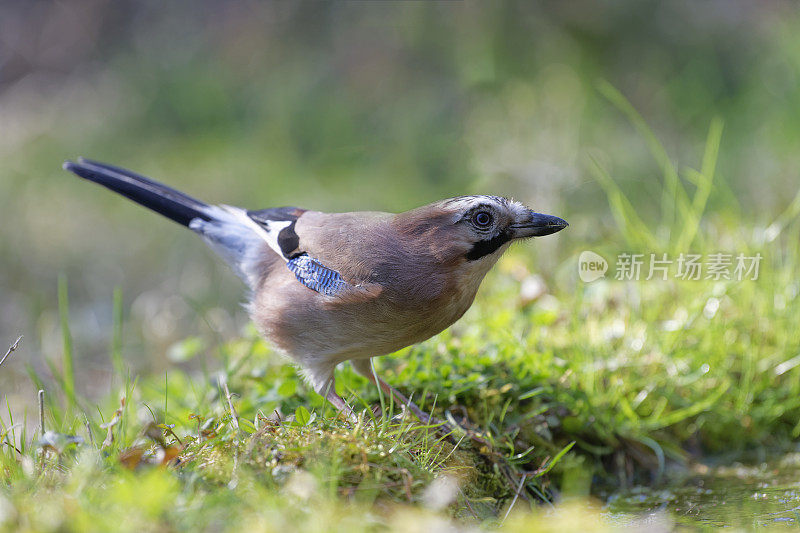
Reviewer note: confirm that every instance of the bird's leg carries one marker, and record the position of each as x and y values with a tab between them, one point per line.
364	367
323	382
339	403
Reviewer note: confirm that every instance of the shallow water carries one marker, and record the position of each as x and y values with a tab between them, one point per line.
739	496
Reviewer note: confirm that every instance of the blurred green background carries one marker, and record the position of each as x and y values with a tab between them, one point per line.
351	106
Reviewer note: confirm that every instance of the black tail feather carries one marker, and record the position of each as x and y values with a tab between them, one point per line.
173	204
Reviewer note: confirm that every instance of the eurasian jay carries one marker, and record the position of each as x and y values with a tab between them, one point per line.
333	287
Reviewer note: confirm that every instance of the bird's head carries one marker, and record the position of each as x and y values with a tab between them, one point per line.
476	230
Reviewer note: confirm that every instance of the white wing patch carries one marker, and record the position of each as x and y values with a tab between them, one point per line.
267	230
236	237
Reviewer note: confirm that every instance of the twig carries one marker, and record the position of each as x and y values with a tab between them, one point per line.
41	411
235	422
10	349
469	505
6	440
89	430
109	426
12	446
516	495
41	429
234	416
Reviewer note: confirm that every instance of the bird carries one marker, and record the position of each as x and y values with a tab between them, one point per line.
325	288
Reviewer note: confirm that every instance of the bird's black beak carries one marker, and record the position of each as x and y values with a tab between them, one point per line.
538	225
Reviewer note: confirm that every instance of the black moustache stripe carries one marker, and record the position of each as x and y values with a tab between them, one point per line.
487	246
288	239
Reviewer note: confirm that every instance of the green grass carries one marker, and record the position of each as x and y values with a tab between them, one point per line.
586	387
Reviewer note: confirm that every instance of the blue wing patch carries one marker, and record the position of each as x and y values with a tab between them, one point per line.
316	276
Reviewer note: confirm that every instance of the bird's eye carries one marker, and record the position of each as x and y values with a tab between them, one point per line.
482	219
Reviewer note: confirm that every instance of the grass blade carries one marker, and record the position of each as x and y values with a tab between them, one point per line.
554	461
674	199
116	334
704	180
68	373
631	226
